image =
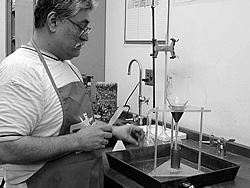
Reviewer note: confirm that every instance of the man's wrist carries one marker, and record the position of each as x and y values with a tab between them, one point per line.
115	132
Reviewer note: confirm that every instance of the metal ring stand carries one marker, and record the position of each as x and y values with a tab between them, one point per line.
187	109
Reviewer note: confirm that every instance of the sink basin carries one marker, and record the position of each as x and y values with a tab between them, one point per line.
137	164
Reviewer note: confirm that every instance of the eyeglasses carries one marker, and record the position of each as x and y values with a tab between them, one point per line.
84	31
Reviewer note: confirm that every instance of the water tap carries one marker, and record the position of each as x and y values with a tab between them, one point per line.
141	99
221	144
222	147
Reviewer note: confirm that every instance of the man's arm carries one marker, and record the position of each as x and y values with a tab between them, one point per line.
30	150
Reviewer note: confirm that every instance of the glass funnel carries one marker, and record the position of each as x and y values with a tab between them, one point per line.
177	98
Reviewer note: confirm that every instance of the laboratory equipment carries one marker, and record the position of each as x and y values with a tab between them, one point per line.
177	106
157	48
150	166
137	163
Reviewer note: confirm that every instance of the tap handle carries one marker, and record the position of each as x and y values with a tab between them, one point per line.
145	79
143	99
212	140
147	101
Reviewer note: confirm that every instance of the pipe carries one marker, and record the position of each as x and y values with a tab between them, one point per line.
140	86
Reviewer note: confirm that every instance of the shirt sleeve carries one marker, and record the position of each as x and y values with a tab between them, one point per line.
21	106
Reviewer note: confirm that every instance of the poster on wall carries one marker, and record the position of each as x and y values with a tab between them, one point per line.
138	20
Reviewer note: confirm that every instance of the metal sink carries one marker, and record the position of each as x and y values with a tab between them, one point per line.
138	164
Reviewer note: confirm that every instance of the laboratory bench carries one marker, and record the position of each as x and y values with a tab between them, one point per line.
236	153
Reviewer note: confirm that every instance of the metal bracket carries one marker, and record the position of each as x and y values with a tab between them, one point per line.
165	48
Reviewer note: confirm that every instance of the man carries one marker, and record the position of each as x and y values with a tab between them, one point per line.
48	136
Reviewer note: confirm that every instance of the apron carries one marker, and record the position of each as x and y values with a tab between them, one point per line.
73	170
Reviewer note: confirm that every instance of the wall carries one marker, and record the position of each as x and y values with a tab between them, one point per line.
213	63
2	29
92	58
23	21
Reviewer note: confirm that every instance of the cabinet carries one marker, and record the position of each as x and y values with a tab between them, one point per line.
10	26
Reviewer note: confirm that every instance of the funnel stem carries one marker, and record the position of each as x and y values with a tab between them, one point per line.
172	131
176	135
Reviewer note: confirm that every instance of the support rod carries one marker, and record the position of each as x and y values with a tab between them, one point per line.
156	140
154	44
166	63
200	140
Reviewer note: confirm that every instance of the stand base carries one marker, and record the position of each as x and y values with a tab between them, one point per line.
165	170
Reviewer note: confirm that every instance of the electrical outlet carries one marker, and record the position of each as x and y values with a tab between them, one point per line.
149	77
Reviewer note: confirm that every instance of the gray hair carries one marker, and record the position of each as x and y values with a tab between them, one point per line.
62	8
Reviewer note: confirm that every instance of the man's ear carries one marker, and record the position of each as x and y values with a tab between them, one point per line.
52	21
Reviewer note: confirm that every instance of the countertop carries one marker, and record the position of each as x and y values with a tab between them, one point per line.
242	179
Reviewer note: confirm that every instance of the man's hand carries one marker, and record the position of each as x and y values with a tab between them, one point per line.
129	133
93	137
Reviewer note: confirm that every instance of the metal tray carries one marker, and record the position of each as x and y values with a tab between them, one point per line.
137	164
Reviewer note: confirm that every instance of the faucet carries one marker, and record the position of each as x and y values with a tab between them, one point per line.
221	144
221	147
141	99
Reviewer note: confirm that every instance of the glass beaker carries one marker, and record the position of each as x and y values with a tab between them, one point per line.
149	141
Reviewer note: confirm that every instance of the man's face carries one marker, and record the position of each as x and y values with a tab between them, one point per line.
72	35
